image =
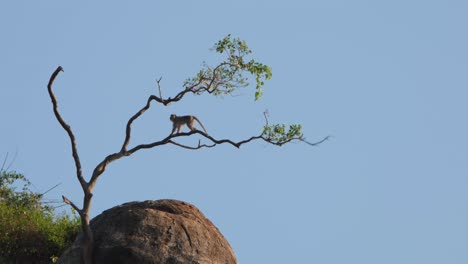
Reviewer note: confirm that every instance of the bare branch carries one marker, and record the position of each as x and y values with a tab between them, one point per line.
50	189
101	167
217	142
316	143
265	114
148	146
191	148
133	118
65	200
4	161
68	129
253	138
159	87
12	161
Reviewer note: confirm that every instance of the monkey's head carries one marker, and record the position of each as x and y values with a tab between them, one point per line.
172	117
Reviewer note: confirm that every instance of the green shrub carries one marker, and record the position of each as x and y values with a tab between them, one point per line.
31	232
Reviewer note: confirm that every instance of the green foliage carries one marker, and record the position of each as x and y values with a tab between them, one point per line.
9	195
29	231
277	134
229	74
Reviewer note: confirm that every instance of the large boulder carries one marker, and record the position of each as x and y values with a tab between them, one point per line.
163	231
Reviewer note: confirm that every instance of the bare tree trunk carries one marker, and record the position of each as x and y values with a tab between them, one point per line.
88	240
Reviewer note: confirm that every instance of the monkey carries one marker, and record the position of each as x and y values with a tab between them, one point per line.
189	120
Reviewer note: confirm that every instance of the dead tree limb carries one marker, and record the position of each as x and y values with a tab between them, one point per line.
67	128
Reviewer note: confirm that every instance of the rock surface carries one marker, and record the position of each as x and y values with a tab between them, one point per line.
163	231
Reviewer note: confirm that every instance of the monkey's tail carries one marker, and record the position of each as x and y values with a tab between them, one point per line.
200	124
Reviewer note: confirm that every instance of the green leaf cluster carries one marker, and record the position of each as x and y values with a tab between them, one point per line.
31	232
278	134
25	197
230	73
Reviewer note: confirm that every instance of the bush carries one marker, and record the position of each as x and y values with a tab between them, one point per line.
30	231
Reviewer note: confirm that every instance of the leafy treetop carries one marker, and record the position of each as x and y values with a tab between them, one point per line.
229	74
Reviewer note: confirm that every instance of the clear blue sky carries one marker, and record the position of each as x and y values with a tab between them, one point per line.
388	79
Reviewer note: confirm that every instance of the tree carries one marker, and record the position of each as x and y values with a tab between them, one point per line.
225	78
30	230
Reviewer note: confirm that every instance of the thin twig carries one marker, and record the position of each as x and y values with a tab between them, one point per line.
50	189
12	161
265	114
4	161
159	87
318	142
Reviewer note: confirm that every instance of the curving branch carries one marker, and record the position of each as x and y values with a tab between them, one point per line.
316	143
67	128
128	130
